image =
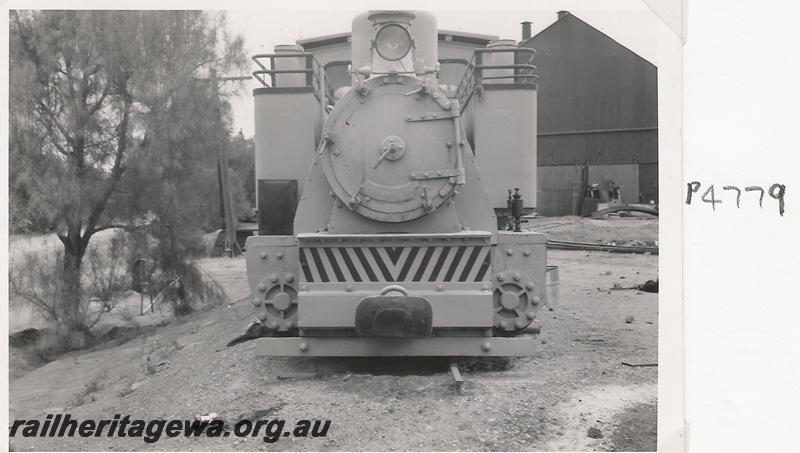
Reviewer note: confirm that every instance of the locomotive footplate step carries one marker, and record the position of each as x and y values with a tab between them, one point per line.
522	346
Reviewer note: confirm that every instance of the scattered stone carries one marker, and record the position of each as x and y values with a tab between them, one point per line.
649	286
258	414
629	319
594	433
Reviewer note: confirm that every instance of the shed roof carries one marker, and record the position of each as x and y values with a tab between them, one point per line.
341	38
566	18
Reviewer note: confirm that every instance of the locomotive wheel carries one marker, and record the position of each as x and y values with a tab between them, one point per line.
516	301
279	301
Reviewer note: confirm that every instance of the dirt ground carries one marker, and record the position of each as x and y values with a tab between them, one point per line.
547	402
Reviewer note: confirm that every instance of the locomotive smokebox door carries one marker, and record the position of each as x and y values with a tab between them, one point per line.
392	148
394	315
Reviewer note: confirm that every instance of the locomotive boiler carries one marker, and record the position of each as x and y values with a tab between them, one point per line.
379	192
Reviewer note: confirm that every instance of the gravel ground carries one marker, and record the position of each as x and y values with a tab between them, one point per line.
546	402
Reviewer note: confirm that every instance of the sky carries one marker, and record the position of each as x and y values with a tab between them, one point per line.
628	22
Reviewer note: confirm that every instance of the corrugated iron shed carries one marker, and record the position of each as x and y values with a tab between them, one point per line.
598	106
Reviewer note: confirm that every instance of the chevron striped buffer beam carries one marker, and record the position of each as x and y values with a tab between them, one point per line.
411	263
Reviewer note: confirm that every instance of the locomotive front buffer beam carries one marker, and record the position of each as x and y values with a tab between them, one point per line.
397	295
522	346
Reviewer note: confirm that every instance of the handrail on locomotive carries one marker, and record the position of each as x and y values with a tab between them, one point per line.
474	73
314	72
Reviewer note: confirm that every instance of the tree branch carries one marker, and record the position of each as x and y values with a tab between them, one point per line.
54	121
116	171
121	226
94	108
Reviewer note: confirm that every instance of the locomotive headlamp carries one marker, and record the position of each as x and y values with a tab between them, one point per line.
392	42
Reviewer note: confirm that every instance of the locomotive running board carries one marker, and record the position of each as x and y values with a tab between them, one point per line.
396	347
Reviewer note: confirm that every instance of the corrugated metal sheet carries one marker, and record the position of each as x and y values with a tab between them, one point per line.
625	176
555	189
588	81
600	148
648	182
591	84
556	182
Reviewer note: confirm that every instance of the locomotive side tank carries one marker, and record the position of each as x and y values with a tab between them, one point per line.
394	247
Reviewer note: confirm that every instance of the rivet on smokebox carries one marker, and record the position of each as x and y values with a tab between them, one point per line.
509	252
348	288
290	278
263	317
536	300
500	277
530	286
262	287
526	252
439	287
531	315
486	286
289	324
304	288
263	255
520	324
304	347
486	346
273	278
517	276
257	301
273	325
280	256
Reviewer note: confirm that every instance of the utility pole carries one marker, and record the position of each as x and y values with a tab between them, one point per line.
226	206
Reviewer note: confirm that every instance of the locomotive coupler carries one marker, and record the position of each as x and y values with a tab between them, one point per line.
394	315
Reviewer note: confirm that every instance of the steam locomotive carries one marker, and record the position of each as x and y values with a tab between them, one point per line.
384	159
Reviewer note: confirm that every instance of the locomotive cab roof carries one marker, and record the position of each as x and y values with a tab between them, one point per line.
476	39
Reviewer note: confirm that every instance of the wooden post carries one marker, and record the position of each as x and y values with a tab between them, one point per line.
222	160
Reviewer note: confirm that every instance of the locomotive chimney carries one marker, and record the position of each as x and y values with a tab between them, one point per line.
526	30
562	13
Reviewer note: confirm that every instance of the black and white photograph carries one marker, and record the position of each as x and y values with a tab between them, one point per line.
278	229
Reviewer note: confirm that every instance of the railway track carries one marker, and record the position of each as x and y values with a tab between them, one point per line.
566	245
